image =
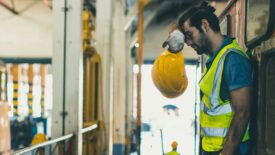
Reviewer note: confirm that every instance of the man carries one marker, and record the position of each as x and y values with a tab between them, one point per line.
225	85
174	146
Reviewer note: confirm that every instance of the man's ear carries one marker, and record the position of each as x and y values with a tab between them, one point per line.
204	25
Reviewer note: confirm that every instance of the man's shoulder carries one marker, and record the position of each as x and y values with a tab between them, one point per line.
237	51
237	71
236	57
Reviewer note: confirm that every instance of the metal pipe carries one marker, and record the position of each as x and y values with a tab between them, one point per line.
31	148
90	128
197	100
43	79
227	7
140	62
30	95
161	137
15	76
64	68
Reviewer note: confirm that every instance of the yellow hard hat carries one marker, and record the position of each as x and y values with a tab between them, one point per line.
39	138
169	75
174	145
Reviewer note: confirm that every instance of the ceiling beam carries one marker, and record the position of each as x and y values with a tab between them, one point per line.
10	8
148	19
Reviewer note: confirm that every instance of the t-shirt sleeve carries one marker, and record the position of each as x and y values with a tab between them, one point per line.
237	71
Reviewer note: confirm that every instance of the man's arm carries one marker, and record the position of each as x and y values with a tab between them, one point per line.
241	104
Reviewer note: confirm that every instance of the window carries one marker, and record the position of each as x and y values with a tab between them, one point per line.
258	21
225	25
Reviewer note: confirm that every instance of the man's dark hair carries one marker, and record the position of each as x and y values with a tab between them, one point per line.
196	14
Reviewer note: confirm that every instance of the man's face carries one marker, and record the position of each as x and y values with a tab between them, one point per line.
195	38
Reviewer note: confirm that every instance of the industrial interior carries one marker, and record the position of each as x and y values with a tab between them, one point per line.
76	76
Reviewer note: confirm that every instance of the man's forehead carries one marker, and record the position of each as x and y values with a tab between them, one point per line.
186	26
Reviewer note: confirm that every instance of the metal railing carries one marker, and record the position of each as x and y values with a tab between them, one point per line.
54	141
37	146
90	128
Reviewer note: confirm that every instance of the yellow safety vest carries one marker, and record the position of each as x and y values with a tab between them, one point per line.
172	153
216	114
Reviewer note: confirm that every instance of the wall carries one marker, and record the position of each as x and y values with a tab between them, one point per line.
28	34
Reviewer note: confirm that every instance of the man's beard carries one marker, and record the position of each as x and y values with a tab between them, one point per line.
204	46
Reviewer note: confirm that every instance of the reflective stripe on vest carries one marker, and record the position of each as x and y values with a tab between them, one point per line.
215	114
215	132
218	110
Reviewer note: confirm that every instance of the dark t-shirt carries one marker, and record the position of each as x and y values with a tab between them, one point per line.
237	72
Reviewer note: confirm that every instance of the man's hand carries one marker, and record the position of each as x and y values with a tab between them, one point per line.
175	41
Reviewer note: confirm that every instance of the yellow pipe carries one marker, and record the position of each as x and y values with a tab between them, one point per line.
86	89
141	4
30	95
15	89
43	78
91	86
140	62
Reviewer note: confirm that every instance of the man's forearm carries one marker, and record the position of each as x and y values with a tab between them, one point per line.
236	132
241	104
